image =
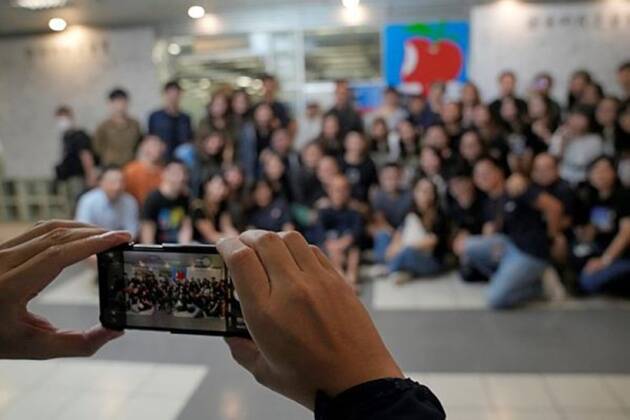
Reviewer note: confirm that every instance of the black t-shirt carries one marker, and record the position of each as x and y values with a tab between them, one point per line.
518	218
199	212
273	217
338	222
361	177
73	143
563	192
349	119
167	214
605	215
469	218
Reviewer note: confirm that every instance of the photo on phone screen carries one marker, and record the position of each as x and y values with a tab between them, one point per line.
179	289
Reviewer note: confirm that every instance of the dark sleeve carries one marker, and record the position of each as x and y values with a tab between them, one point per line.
357	227
383	399
151	208
530	196
189	130
82	141
624	204
185	203
152	118
286	212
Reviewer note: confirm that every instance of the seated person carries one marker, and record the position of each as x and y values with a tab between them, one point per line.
305	187
465	212
340	229
606	233
274	171
268	212
546	176
390	202
144	174
357	166
165	215
108	205
471	148
417	247
513	251
211	218
238	194
432	167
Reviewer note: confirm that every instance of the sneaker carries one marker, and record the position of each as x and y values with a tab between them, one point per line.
399	277
553	289
375	271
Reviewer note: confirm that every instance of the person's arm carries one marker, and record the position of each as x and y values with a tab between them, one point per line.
147	232
227	226
89	168
551	208
132	217
98	142
28	263
325	352
617	247
185	232
207	230
428	243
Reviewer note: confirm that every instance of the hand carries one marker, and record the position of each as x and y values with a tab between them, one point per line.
596	264
28	264
516	185
309	331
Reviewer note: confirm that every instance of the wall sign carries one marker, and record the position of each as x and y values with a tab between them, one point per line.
416	55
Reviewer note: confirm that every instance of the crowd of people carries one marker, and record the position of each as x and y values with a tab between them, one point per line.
147	292
502	191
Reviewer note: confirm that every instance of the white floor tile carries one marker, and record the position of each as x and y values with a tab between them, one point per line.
81	289
458	391
41	403
173	381
18	374
581	391
518	391
586	414
471	414
528	414
620	386
150	407
93	406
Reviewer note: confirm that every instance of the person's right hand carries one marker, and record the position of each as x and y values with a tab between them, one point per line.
309	331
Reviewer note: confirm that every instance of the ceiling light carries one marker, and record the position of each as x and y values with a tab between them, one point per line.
57	24
174	49
196	12
39	4
350	4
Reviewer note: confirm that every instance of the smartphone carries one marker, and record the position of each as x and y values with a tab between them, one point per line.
183	289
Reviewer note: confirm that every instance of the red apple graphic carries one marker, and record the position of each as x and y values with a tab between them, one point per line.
426	61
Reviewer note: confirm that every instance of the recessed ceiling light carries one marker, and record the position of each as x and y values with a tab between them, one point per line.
196	12
39	4
57	24
174	49
350	4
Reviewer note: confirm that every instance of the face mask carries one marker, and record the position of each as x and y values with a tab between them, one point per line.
63	124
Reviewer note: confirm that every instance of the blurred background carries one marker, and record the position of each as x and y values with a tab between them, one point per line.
430	88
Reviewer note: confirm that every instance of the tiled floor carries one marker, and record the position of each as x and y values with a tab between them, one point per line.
545	361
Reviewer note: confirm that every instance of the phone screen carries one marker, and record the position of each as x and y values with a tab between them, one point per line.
180	289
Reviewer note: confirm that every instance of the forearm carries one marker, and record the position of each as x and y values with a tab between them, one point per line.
427	243
619	244
393	398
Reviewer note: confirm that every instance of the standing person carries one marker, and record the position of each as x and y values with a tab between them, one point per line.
543	85
542	123
254	138
418	246
165	215
309	126
577	84
144	174
470	98
576	145
108	205
77	167
171	124
507	89
357	166
210	215
606	230
281	113
391	201
116	138
452	121
330	138
217	119
390	110
209	158
513	251
344	109
606	115
240	104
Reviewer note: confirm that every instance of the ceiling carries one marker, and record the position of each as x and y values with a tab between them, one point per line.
115	13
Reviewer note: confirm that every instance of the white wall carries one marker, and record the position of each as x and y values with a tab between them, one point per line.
558	38
77	67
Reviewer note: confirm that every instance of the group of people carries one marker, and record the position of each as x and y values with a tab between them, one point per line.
146	292
502	191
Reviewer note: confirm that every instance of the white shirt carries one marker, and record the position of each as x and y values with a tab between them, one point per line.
575	155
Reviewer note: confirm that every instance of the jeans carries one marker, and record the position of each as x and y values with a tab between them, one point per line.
514	275
411	260
615	276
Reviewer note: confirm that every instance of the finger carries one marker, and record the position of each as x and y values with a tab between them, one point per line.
41	228
75	343
28	279
273	253
299	249
322	258
248	275
58	236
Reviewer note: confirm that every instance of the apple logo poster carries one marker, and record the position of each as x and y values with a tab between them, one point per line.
416	55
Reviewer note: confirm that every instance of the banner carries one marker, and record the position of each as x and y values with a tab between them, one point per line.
416	55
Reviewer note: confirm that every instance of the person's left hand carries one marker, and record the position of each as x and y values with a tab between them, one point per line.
595	264
28	263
